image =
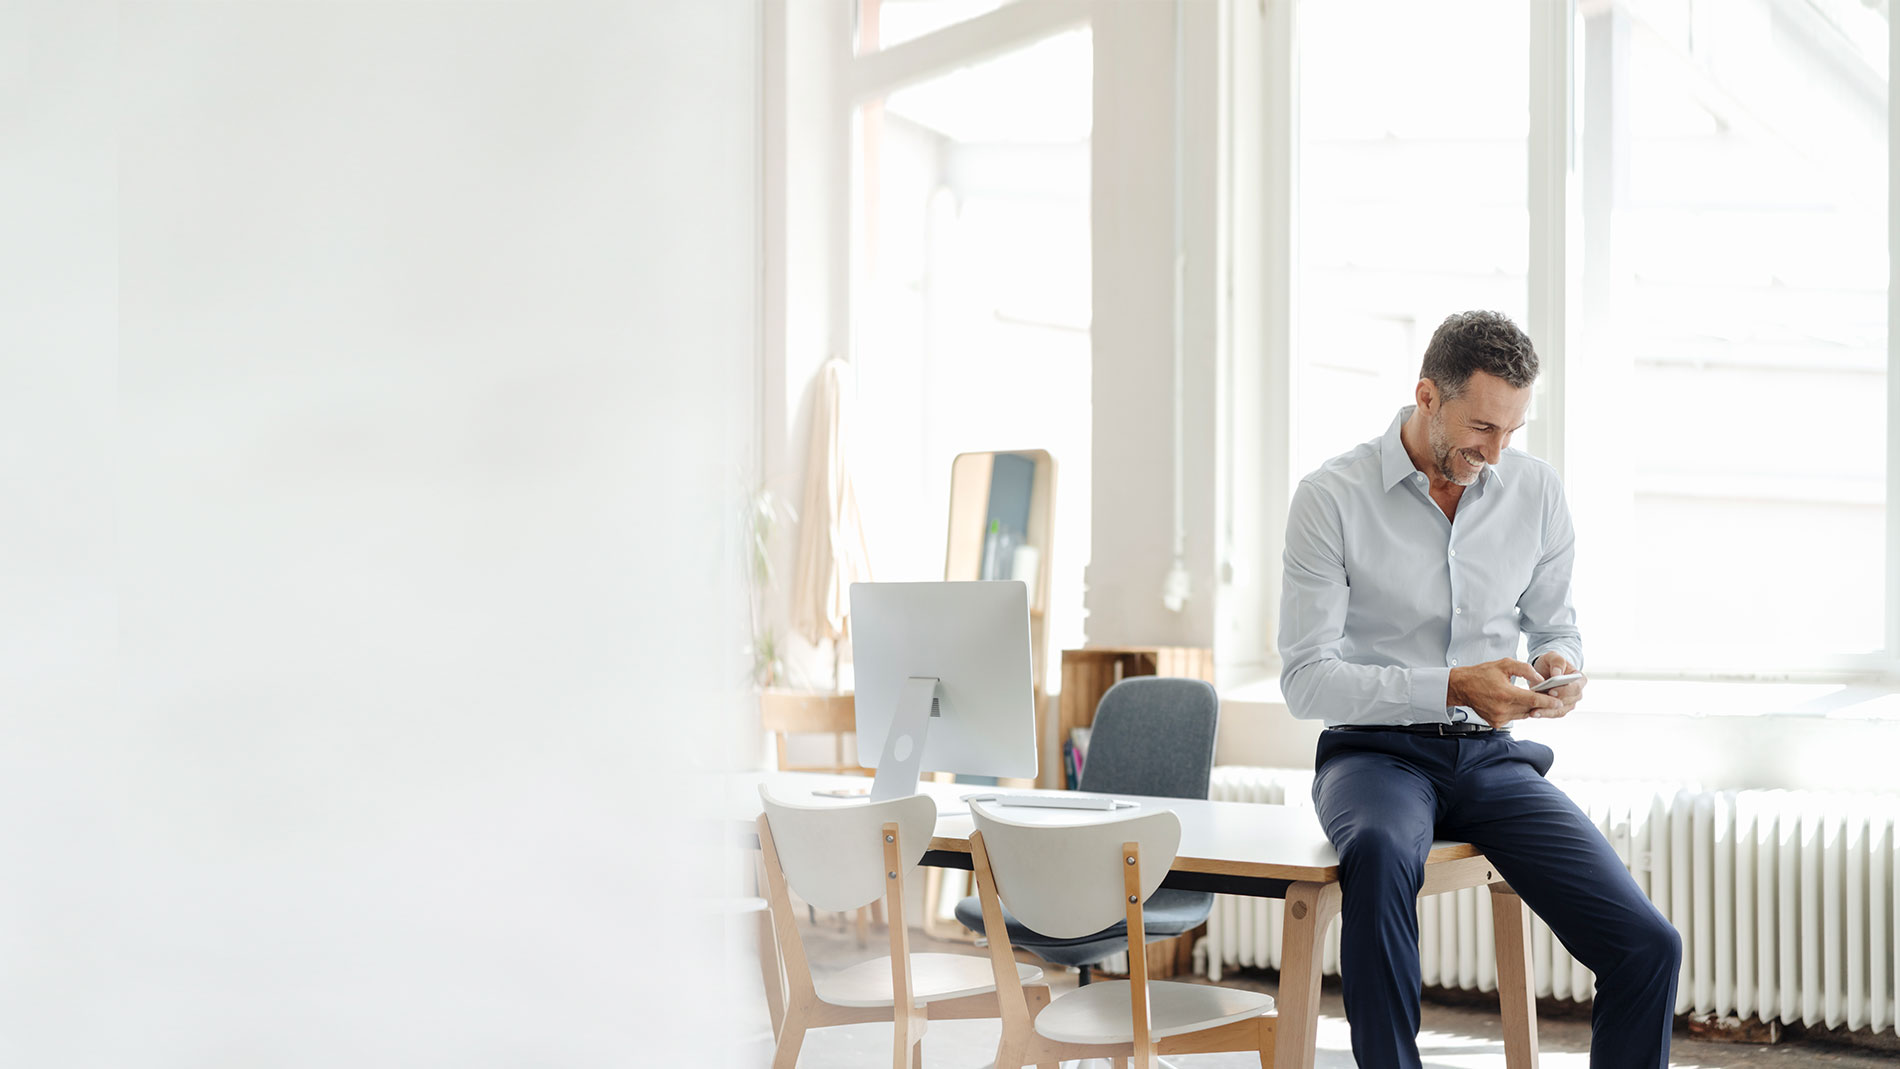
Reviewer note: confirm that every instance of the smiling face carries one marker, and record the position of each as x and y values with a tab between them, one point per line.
1469	431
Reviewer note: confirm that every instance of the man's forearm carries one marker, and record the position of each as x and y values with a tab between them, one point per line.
1326	688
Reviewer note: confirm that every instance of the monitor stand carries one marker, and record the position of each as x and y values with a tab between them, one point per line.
902	762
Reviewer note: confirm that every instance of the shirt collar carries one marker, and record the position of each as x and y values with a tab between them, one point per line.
1395	463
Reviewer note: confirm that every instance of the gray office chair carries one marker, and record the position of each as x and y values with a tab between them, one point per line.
1153	735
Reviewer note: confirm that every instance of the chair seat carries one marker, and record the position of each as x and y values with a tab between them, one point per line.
1099	1012
1168	912
933	977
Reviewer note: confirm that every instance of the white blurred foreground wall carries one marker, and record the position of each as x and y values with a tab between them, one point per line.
376	383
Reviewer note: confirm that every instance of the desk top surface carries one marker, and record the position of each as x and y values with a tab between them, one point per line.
1227	838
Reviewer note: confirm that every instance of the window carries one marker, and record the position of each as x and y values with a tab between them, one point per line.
1412	199
883	23
1719	391
970	290
1729	449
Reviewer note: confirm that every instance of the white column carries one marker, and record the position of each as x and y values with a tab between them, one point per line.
1132	528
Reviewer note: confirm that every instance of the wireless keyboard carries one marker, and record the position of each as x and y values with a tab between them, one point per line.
1060	800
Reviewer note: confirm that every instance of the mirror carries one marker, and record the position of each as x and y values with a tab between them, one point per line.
1002	512
1000	509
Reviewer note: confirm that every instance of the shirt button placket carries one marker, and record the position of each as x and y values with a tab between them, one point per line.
1451	556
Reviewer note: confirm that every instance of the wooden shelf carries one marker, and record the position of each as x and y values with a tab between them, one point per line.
1088	673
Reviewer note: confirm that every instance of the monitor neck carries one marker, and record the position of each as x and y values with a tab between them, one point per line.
902	763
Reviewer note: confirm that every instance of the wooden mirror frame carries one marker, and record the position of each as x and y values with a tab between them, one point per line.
963	560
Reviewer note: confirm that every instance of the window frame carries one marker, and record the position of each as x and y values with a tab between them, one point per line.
1555	316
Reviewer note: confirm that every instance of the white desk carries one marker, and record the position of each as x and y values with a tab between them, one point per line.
1239	848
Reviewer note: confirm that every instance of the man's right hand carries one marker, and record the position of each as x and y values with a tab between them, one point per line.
1487	689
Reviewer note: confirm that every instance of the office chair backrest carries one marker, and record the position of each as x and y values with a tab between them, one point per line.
1153	735
1065	880
833	855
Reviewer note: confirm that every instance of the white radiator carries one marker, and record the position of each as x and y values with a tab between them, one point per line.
1785	901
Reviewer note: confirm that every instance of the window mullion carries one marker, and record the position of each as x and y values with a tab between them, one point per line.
1891	654
1550	169
1279	265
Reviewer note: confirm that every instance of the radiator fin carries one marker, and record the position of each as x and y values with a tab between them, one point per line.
1785	900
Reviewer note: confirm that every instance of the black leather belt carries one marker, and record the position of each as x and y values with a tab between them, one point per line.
1423	729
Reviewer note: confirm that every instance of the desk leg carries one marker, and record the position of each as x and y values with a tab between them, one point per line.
1310	907
1517	979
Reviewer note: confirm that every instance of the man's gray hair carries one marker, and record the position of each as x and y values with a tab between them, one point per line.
1468	342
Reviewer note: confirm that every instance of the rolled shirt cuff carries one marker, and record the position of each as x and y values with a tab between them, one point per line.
1428	689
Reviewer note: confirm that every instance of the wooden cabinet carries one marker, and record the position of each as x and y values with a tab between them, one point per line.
1088	673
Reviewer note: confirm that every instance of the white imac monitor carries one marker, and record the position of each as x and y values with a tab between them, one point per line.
944	681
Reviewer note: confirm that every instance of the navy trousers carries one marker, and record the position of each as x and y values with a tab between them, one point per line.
1384	795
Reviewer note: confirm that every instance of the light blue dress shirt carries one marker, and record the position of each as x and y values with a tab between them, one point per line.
1384	595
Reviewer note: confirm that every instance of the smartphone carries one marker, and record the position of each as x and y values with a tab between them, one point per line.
1557	681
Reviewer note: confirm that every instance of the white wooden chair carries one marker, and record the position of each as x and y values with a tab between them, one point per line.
784	713
841	857
1073	880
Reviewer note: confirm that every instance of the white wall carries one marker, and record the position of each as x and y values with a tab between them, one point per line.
1132	529
380	384
805	227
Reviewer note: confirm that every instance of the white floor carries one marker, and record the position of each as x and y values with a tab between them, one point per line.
972	1044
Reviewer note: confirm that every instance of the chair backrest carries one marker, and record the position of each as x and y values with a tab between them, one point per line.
1066	880
785	713
833	855
1153	735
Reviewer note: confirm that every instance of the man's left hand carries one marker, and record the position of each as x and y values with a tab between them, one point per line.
1554	664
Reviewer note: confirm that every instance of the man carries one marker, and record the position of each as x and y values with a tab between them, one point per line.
1413	564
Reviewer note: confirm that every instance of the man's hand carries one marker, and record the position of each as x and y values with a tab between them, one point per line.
1488	690
1554	664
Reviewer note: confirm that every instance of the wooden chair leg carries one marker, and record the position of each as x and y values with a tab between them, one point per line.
1038	998
907	1048
792	1037
769	970
1309	908
1517	979
906	1052
769	973
1267	1039
1012	1050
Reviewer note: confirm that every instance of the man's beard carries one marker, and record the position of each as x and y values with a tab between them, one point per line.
1444	455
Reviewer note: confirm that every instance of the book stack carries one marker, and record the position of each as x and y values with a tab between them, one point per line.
1074	752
